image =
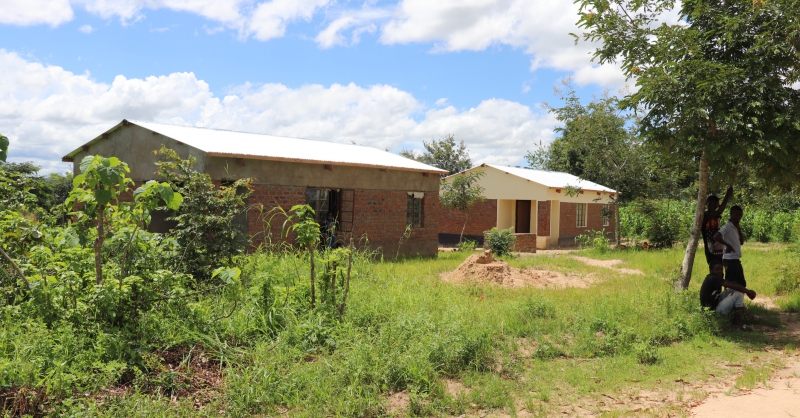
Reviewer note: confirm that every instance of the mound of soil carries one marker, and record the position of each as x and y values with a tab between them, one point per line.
484	268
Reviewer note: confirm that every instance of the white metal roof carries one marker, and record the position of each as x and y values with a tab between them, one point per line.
551	178
222	143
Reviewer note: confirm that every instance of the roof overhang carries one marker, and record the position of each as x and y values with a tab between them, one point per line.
70	157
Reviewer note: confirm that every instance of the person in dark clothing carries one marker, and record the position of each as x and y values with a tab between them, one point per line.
711	223
330	231
723	302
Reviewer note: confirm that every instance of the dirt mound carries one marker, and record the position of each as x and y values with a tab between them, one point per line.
484	268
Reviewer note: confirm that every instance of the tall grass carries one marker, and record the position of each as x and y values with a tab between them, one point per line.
405	330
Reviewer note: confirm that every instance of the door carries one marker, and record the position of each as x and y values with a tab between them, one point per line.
523	223
346	209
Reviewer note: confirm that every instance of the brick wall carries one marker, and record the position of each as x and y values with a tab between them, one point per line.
264	225
543	225
482	217
594	220
379	216
525	243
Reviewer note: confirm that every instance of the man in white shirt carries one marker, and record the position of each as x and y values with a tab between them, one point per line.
731	236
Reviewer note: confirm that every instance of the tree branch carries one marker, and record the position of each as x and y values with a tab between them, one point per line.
16	268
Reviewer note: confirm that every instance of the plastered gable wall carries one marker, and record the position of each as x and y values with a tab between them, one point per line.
135	146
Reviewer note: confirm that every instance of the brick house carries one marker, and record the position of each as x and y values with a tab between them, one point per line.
535	204
373	194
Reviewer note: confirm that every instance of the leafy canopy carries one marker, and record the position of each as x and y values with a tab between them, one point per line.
3	148
597	142
462	191
444	153
722	79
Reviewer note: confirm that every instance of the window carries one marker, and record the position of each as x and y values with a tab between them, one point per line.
414	209
580	216
606	213
319	200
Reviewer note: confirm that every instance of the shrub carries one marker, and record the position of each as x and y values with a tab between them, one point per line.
500	241
206	228
594	239
467	245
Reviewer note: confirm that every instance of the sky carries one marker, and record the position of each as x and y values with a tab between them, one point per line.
387	74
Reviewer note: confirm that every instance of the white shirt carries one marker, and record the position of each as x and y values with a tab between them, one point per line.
731	235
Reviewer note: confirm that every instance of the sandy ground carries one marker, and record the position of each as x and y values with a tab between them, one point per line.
484	268
780	397
609	264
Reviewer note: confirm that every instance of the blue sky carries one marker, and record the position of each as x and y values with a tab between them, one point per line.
385	74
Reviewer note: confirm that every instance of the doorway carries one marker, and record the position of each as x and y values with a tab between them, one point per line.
523	222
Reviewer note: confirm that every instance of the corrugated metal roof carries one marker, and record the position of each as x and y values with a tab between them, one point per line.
222	143
551	178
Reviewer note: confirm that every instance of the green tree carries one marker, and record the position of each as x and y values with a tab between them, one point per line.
460	193
715	87
206	228
4	142
597	143
444	153
101	181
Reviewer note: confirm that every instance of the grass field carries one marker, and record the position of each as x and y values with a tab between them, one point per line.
413	345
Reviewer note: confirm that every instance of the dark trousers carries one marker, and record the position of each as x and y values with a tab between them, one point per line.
734	271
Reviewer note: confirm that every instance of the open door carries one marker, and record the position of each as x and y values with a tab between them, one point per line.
523	222
346	208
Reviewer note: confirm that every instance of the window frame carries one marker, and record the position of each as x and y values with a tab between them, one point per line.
415	211
607	216
580	214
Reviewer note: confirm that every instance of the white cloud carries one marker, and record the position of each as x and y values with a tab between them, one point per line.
269	19
47	111
87	29
35	12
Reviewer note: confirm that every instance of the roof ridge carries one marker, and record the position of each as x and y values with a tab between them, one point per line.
137	122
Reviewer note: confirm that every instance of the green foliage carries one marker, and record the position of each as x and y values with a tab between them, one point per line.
597	142
460	192
662	222
594	239
444	153
206	229
500	241
467	245
3	148
719	78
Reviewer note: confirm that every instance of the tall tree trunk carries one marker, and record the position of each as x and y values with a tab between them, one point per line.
466	219
694	238
98	246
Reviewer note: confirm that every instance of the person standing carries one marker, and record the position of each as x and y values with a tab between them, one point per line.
731	236
711	223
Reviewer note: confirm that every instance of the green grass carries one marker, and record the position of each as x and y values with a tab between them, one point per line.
545	350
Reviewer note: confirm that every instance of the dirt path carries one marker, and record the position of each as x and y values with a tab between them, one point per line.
780	397
609	264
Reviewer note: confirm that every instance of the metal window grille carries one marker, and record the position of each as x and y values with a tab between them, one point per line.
606	214
414	211
580	216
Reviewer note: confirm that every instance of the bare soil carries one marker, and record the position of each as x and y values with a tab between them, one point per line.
609	264
484	268
778	397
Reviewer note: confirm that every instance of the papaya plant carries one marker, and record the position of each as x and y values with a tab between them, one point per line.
101	181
